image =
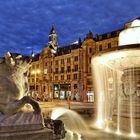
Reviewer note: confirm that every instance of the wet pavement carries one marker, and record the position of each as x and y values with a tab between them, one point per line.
92	133
96	134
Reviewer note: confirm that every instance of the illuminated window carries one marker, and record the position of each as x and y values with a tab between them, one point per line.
37	66
50	70
108	35
56	62
89	59
56	70
62	77
33	66
109	45
33	80
68	60
51	78
89	82
56	77
75	67
75	86
75	77
100	48
46	64
62	61
44	88
100	37
76	58
68	77
90	50
62	69
36	79
68	69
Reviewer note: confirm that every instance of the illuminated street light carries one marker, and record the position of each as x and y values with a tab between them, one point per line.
38	71
33	72
68	97
55	88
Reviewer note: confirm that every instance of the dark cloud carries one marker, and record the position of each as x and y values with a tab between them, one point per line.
26	23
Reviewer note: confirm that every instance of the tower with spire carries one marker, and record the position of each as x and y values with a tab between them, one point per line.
89	35
53	44
32	53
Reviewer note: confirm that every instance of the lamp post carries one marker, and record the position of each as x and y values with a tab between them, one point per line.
69	97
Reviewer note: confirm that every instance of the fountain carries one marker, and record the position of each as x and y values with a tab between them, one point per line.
74	123
117	84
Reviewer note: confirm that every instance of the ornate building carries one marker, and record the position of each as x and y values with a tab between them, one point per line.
62	72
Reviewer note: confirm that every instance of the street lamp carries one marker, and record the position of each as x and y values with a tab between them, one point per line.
69	96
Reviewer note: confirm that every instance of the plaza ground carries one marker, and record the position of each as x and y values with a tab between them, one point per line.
80	107
87	111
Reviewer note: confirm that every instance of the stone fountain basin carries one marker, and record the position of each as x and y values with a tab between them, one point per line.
113	56
117	88
24	126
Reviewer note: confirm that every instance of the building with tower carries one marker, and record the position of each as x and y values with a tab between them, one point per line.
65	72
53	44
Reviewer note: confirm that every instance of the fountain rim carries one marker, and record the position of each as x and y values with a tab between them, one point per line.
117	48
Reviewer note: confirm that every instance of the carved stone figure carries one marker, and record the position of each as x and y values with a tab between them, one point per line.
14	84
131	82
16	123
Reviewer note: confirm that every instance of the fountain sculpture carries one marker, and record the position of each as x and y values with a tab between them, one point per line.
74	123
117	84
17	120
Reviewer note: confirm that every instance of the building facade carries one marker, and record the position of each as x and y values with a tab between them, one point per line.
65	72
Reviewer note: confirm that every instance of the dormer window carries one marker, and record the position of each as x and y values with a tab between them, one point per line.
100	48
108	35
100	37
109	45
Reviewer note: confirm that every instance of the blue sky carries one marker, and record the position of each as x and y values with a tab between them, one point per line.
26	23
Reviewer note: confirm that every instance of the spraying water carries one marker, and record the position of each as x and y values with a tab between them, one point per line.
74	123
117	85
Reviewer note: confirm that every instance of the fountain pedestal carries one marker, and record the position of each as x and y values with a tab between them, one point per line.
23	126
117	80
21	122
125	117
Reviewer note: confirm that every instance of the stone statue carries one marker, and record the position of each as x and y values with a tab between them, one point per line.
15	121
14	84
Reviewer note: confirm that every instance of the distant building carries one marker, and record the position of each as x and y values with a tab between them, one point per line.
65	72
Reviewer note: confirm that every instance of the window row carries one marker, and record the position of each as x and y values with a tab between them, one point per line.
34	66
62	70
75	77
56	70
62	61
108	46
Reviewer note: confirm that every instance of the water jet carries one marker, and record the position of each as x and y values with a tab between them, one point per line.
116	75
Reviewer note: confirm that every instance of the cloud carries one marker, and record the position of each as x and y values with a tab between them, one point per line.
26	24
